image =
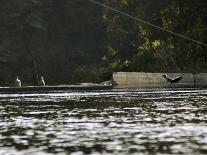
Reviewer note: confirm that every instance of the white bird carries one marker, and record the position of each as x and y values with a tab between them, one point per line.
18	82
42	81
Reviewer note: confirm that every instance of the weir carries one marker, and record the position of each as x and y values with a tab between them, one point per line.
142	79
125	80
54	88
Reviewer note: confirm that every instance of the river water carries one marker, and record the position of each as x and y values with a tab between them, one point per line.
117	122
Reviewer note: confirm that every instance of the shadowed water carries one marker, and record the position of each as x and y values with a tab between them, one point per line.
142	121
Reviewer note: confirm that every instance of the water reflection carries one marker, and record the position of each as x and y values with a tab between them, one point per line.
147	121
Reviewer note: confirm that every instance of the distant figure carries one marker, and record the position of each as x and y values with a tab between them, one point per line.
174	80
18	82
42	81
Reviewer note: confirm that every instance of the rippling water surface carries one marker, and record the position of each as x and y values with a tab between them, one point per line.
134	121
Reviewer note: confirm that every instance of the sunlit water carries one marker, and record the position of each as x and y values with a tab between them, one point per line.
135	121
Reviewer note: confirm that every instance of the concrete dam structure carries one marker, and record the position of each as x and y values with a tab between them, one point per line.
142	79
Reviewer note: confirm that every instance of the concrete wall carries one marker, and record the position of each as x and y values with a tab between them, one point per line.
141	79
201	80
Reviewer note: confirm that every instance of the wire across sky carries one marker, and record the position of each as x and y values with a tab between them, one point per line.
148	23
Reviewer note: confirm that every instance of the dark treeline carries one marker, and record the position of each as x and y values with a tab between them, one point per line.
71	41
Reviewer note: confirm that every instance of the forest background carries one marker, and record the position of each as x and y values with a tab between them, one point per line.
72	41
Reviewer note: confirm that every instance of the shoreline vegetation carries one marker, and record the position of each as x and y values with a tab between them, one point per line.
77	41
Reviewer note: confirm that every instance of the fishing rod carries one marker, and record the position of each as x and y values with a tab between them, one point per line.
147	23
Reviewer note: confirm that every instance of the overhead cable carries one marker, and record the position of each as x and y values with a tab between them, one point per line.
147	23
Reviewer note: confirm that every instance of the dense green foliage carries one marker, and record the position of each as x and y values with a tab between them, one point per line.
134	46
72	41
